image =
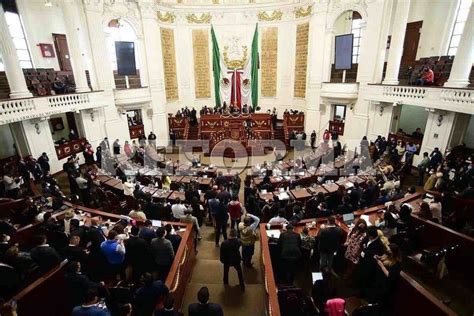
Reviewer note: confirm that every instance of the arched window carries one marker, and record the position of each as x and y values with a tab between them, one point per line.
356	29
459	24
120	31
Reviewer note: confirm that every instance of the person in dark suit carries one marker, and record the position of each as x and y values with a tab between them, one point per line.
147	232
230	257
367	263
168	309
175	239
136	255
74	252
147	296
221	217
79	283
289	244
204	308
45	257
221	180
330	239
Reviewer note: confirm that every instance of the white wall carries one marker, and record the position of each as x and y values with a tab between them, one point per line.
7	148
40	22
469	135
412	117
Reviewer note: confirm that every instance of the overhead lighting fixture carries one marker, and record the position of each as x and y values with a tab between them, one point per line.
48	3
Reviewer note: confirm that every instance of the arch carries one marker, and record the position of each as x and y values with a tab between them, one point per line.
132	21
338	11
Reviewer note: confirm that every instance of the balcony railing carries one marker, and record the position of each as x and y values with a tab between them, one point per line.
23	109
449	99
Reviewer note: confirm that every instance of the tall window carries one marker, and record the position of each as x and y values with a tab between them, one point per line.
16	32
461	17
120	30
356	29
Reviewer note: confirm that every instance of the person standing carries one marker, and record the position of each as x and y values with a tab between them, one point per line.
330	239
221	217
422	168
116	147
313	139
290	252
162	252
43	161
230	257
203	307
248	237
235	211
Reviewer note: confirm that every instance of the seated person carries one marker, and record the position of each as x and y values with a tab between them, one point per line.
427	77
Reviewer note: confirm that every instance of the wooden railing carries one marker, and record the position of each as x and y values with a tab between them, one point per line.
70	148
42	297
408	290
336	127
180	126
406	139
292	123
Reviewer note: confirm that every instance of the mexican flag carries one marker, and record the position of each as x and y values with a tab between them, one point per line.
244	80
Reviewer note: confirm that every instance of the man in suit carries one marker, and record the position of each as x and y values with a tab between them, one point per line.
230	257
45	257
221	218
162	252
175	239
74	252
367	264
168	309
147	232
204	308
289	244
330	239
148	296
79	283
136	255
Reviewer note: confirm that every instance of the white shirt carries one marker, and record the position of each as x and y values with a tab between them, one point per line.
277	220
128	188
10	183
178	210
436	211
81	183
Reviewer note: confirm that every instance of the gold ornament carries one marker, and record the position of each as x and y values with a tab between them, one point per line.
302	13
167	17
205	18
235	63
276	15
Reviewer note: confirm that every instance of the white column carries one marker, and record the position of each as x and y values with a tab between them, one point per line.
143	66
396	44
462	64
73	27
13	70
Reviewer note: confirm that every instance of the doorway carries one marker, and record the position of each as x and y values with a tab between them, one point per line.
410	45
62	51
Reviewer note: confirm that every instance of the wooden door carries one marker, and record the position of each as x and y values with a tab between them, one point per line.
62	51
410	46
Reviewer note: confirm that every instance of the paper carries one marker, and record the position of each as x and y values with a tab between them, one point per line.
273	233
366	218
317	276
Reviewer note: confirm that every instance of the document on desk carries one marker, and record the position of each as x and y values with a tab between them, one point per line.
273	233
366	218
317	276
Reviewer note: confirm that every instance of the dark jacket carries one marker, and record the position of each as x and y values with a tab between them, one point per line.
45	257
78	286
175	241
147	297
136	250
209	309
163	312
330	239
290	245
162	251
75	253
230	251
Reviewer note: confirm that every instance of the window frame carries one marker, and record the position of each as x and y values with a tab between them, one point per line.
462	7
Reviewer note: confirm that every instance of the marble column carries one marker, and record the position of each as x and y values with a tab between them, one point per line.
462	64
13	71
396	44
73	25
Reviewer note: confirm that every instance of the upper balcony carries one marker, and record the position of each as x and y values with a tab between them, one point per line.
340	93
449	99
15	110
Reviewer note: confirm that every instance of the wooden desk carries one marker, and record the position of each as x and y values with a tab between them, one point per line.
266	196
149	190
301	194
161	194
317	189
331	187
175	195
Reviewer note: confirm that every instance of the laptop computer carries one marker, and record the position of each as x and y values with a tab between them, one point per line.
348	218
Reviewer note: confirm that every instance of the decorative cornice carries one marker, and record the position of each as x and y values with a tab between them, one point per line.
302	13
205	18
167	17
276	15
